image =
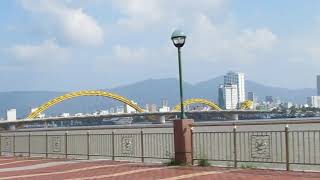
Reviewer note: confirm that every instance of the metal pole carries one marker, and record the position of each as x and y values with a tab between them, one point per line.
88	145
287	148
112	144
66	145
142	150
29	144
192	160
235	146
46	145
0	145
182	115
14	144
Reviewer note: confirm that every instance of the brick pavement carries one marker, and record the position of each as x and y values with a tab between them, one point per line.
54	169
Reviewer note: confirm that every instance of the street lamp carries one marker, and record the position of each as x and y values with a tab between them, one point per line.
178	38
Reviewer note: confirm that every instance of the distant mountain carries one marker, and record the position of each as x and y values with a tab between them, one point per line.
143	92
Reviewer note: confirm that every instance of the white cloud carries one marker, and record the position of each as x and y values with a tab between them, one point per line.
211	30
124	53
314	53
225	41
47	52
75	25
254	39
140	14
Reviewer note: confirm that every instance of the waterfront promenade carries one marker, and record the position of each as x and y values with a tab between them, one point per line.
36	168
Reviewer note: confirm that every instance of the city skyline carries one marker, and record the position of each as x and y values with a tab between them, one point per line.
42	49
159	89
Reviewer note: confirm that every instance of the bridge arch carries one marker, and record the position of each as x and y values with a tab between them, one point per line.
71	95
198	101
246	105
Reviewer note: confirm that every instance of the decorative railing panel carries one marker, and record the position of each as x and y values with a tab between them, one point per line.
85	145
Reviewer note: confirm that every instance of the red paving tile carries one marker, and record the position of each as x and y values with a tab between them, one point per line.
57	168
172	172
5	160
21	163
92	172
125	171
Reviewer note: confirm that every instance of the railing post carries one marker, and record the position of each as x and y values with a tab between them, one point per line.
235	146
182	141
14	145
112	144
66	144
0	145
192	160
142	150
29	144
88	145
46	145
287	148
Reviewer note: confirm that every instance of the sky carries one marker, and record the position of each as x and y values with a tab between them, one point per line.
67	45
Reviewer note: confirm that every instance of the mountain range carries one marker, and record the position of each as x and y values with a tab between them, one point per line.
151	91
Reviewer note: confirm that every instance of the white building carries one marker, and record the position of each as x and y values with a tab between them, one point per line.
129	109
65	115
104	112
318	85
229	96
78	114
120	110
164	109
151	108
314	101
236	78
11	115
111	110
287	105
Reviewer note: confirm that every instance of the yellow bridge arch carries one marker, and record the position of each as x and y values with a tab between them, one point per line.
198	101
71	95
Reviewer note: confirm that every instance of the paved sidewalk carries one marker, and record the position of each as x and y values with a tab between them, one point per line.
55	169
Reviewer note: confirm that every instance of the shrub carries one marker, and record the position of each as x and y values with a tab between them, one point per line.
248	166
173	162
204	162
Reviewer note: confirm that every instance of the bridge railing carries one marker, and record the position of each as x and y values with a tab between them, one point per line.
130	144
248	144
296	146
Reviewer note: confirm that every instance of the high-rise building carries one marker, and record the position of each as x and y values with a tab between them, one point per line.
314	101
11	114
164	102
221	96
165	107
251	96
151	107
318	85
269	99
228	96
236	78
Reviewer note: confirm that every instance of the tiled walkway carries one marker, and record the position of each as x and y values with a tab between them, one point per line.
53	169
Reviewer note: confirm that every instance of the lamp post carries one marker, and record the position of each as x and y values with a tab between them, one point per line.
178	38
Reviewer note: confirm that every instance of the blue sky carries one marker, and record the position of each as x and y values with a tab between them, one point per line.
73	45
